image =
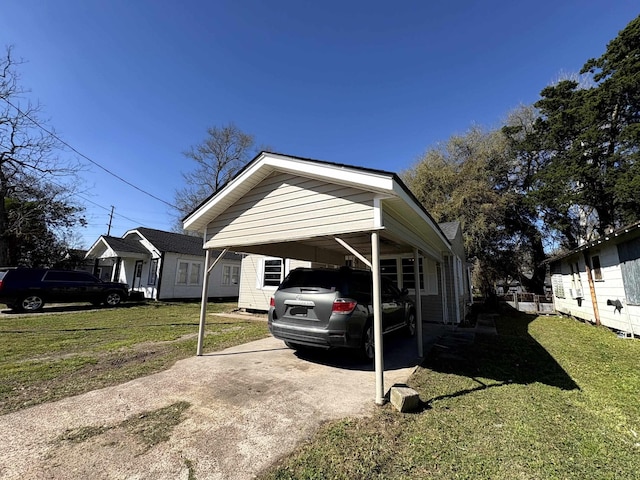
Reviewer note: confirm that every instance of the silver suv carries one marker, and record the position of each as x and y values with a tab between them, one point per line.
332	308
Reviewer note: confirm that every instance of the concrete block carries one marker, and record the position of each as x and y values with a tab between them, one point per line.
405	399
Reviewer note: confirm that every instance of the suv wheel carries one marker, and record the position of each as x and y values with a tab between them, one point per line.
113	299
411	324
30	303
368	345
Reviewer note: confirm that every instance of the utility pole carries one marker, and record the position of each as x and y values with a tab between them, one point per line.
110	220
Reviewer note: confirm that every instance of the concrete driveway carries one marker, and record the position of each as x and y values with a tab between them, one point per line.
250	405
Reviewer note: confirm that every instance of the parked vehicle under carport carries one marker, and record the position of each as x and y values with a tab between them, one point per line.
324	308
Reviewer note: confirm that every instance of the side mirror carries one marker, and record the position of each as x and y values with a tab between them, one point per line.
404	292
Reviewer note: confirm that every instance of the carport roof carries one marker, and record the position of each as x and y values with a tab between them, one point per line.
393	211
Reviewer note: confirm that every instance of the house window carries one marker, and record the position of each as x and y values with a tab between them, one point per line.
189	273
194	274
153	272
557	285
431	277
576	281
230	274
389	269
597	271
400	272
273	272
629	255
408	276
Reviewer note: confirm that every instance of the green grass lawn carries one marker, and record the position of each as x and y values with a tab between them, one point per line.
48	357
548	398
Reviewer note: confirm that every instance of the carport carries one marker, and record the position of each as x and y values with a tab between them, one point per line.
291	207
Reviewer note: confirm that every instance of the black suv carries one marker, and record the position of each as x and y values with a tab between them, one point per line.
27	289
332	308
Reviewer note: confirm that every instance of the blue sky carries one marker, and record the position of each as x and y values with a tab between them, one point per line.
134	83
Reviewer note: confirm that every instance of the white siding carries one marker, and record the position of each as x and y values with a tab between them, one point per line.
284	207
252	296
169	287
608	290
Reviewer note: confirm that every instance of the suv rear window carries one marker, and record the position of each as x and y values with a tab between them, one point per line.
347	282
312	278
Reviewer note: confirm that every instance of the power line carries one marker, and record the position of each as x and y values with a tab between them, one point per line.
90	201
113	213
86	157
108	209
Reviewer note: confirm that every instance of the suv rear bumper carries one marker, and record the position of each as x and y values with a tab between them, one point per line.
315	337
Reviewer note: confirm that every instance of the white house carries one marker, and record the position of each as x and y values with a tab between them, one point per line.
599	282
163	265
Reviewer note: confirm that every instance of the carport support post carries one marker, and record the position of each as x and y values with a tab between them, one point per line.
377	317
205	295
416	273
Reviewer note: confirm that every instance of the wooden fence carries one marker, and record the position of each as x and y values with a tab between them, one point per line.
529	303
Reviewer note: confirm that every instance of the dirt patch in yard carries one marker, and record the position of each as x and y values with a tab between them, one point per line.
226	415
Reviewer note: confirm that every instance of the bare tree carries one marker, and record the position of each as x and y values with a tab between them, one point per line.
218	158
35	193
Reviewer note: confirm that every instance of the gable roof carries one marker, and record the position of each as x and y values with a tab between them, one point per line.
128	245
131	243
365	200
379	181
450	229
177	242
170	241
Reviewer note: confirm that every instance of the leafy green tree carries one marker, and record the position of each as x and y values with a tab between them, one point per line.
472	179
36	187
582	152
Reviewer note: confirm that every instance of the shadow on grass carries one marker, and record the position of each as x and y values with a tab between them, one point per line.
511	356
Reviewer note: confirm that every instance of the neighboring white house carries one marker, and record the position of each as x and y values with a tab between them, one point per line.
261	275
163	265
600	281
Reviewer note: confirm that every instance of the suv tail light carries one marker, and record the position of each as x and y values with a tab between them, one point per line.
272	302
0	284
342	305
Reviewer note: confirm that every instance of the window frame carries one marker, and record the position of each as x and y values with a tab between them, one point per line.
596	270
428	275
261	284
188	273
233	272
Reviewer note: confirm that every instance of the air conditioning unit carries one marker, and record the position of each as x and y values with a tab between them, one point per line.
575	293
